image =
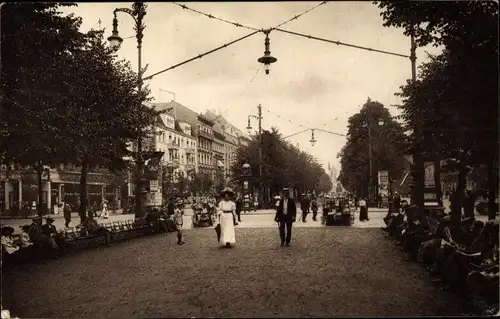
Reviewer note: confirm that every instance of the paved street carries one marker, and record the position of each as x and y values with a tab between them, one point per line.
261	218
334	271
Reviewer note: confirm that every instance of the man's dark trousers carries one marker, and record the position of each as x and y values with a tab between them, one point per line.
285	222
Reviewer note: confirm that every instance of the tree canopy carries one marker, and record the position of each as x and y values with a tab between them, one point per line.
388	147
282	164
455	98
65	98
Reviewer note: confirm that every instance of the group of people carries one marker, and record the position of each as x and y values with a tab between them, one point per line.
33	236
227	212
44	240
460	254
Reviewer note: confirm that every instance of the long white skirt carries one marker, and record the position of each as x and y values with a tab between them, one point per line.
227	229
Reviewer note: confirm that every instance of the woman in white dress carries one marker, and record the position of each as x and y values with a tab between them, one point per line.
105	213
226	211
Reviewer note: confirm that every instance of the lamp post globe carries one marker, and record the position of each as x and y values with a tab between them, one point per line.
381	122
115	41
267	59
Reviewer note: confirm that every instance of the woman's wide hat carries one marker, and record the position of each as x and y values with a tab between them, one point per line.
227	190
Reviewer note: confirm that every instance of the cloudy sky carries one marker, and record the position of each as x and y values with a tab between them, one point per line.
314	83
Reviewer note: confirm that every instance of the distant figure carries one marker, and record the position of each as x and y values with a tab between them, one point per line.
304	206
67	214
105	212
314	208
396	202
363	210
179	221
285	216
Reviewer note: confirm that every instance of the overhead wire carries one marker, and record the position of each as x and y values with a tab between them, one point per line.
149	77
342	43
232	23
211	16
248	84
298	16
240	25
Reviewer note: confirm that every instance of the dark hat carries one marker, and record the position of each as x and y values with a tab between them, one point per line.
49	219
36	218
227	190
7	228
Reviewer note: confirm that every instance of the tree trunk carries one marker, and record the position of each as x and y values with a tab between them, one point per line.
437	179
82	211
492	185
459	195
39	173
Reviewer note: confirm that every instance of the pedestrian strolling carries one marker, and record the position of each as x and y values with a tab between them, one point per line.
314	208
239	206
226	212
179	222
285	216
304	206
67	214
363	210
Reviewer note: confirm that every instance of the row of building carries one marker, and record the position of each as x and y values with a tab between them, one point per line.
191	143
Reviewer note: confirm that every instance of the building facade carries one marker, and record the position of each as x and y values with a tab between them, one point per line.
219	154
61	184
231	141
206	141
175	139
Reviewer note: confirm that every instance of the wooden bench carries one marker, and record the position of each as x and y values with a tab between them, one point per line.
74	239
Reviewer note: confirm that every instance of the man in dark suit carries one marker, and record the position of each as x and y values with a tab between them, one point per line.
285	216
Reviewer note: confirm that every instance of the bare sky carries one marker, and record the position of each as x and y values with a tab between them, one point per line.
316	84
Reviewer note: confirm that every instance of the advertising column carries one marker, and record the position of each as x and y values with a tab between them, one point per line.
383	186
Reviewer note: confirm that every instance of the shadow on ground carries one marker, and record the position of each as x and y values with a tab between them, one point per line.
327	272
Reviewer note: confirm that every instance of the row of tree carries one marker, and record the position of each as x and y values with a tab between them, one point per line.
65	97
454	102
178	184
282	165
371	130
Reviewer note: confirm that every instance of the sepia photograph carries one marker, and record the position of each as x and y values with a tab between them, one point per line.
272	159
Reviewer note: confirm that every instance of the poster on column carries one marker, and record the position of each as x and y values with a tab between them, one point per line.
429	175
383	183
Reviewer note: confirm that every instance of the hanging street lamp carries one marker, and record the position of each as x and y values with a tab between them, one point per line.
267	58
312	140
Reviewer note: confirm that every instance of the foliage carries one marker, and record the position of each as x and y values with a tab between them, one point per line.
455	99
388	146
282	164
65	98
219	182
200	182
36	40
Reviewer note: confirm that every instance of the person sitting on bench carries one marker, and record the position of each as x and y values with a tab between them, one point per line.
91	227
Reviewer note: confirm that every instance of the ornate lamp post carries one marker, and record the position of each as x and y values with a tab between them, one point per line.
249	129
368	124
267	58
137	12
246	174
